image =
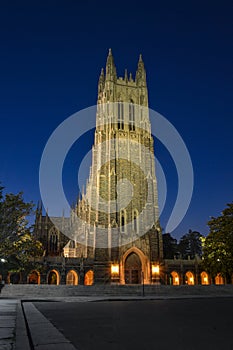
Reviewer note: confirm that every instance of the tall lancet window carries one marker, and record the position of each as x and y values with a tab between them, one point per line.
120	115
123	221
53	240
135	220
107	108
131	116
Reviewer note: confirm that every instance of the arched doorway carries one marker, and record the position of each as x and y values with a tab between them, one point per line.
15	277
219	279
72	278
175	278
89	278
133	269
34	278
189	278
204	278
53	277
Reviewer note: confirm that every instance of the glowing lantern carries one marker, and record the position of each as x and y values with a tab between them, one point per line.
115	269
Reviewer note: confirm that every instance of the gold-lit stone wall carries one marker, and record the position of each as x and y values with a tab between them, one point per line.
123	152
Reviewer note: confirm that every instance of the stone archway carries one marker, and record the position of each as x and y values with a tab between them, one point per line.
15	277
34	277
204	278
189	278
219	279
72	278
141	263
53	277
133	269
89	278
175	278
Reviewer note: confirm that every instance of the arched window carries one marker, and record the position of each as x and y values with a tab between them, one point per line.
53	240
204	278
89	278
131	116
120	115
189	278
135	220
108	109
123	221
34	277
219	279
72	278
53	277
175	278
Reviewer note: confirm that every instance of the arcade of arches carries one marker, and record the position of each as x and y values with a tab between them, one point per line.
133	268
204	278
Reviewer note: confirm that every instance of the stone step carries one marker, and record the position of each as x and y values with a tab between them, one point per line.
50	291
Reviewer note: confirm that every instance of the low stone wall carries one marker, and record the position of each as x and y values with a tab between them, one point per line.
27	291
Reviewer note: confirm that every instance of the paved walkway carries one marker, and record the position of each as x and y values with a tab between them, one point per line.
23	327
8	312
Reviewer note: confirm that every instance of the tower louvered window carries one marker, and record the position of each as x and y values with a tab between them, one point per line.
120	115
131	116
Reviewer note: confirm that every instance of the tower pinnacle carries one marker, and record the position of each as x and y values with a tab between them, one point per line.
141	73
110	67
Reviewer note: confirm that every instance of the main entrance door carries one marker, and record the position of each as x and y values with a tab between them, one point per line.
133	269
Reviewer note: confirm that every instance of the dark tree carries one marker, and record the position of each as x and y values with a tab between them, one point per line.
169	246
190	245
18	246
218	245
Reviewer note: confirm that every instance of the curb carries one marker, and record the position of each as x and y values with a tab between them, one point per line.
43	333
22	339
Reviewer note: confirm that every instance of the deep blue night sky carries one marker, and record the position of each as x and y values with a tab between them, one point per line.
51	56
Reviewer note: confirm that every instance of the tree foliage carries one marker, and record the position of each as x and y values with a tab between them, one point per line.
170	248
17	243
218	245
190	245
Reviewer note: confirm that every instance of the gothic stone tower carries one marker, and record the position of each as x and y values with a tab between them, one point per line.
120	206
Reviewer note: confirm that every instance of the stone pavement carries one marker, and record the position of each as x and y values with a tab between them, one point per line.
23	327
8	312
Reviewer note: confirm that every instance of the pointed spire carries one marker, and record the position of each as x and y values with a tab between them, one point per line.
126	75
110	67
39	208
101	81
141	73
102	75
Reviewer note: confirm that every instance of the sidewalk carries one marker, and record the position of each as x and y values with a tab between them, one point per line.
23	327
8	313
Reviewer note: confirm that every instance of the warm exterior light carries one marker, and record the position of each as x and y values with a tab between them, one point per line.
115	269
191	279
155	269
176	279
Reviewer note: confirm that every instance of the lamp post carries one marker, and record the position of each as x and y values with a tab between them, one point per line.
3	261
143	286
